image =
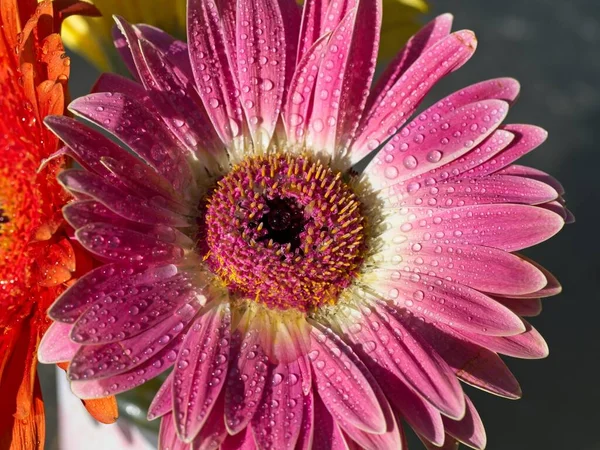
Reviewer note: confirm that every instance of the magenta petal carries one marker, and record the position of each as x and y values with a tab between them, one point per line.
447	302
506	227
430	34
88	146
534	174
278	421
307	430
163	400
118	244
392	437
383	342
246	382
210	54
126	381
420	415
347	68
127	313
473	364
178	103
524	307
174	50
102	281
469	430
339	379
327	434
112	82
126	205
296	110
527	138
122	46
261	81
200	371
418	149
150	349
55	345
213	433
244	440
167	436
528	345
140	129
400	101
449	444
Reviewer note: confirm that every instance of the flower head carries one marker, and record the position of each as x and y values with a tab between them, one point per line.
297	301
38	259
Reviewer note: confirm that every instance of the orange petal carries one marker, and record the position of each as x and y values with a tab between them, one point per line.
22	412
104	409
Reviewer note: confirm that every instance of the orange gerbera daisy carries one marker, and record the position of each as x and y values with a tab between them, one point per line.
38	261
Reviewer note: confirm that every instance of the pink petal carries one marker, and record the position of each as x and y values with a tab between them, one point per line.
126	205
179	104
112	82
436	30
126	381
139	129
506	227
102	281
245	384
473	364
174	50
417	149
118	244
301	89
528	345
392	437
527	138
535	174
481	268
88	146
305	439
152	348
55	345
84	212
210	52
347	69
214	433
244	440
200	371
479	191
128	313
338	376
122	45
384	343
524	307
400	101
469	430
261	42
327	435
447	302
167	436
278	421
447	173
420	415
163	400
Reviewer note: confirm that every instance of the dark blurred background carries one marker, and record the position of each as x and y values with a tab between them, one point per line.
552	48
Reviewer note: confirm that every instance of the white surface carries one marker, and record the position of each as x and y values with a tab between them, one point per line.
78	431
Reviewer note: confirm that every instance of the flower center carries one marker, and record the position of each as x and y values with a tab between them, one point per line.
285	231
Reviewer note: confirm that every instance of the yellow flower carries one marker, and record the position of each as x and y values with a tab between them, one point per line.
400	21
91	36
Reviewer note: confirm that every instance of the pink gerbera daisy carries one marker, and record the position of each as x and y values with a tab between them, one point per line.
300	304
